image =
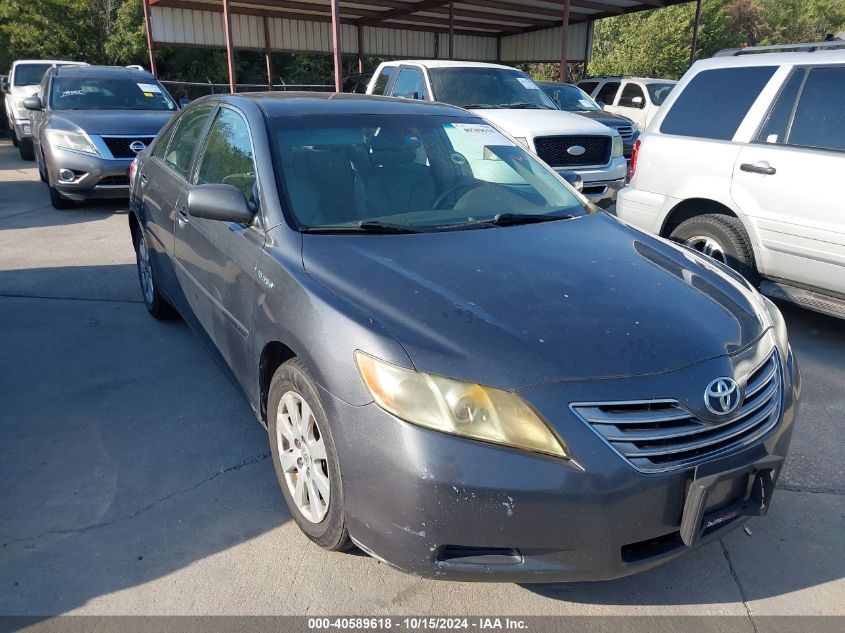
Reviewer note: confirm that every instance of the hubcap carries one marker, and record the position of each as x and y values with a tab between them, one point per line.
145	272
707	246
302	454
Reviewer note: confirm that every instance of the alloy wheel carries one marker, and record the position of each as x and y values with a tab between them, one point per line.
302	454
707	246
145	271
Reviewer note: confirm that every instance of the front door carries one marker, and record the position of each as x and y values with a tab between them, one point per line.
787	181
216	260
632	103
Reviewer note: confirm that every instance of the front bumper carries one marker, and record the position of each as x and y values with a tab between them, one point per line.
94	177
446	507
603	183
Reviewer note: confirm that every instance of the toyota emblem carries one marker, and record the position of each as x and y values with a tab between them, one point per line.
576	150
137	146
722	396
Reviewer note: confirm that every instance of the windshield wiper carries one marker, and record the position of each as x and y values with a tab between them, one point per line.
523	106
368	226
511	219
478	106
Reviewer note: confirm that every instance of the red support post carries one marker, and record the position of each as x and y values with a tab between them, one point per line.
451	30
337	46
564	40
268	53
150	45
230	48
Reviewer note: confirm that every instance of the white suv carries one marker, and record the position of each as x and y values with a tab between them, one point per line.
511	101
743	163
22	82
638	98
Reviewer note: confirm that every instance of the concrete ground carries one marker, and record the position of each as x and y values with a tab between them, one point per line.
135	480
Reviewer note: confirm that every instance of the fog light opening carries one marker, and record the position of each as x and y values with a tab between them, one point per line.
462	555
67	175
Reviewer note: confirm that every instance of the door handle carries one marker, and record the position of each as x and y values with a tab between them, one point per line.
143	179
182	215
759	168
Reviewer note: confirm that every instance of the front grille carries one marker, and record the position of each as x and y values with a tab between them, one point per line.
119	145
554	150
626	132
662	435
122	181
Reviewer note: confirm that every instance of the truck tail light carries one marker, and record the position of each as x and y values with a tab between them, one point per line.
635	154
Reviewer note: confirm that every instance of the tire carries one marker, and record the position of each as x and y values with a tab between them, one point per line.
293	389
722	237
42	169
58	200
156	304
26	148
14	136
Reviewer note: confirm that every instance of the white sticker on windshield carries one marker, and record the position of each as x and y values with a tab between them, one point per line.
528	83
584	103
484	134
149	88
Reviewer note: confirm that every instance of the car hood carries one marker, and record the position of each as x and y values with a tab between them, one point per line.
517	306
531	123
140	122
606	118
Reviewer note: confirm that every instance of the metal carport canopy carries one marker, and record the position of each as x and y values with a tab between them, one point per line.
508	31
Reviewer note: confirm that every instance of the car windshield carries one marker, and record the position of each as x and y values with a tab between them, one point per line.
571	98
659	92
403	173
29	74
484	87
109	93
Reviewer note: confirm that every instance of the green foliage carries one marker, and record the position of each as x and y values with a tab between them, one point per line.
656	43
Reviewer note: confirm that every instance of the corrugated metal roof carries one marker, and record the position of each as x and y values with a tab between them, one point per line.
510	30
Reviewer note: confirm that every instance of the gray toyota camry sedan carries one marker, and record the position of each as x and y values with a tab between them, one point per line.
462	370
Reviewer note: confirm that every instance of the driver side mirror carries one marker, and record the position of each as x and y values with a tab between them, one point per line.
638	102
183	102
4	84
33	103
601	104
219	202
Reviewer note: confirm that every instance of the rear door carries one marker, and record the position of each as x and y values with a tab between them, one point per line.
162	182
788	180
216	260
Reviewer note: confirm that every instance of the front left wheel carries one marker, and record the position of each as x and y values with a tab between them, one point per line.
26	148
305	458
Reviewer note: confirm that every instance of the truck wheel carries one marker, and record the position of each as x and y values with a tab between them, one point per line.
721	237
26	149
304	457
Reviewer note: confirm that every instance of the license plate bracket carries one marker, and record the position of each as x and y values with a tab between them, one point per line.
699	519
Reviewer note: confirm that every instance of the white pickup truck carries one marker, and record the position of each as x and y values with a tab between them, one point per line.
510	100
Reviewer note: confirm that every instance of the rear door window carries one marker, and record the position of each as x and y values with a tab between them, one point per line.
178	153
608	92
383	79
410	84
820	116
715	102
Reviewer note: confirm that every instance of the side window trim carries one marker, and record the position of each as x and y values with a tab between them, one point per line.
202	145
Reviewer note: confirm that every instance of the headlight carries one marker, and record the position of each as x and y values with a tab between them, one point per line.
73	141
522	141
779	325
618	147
457	407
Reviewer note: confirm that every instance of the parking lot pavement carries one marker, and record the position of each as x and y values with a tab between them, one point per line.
134	478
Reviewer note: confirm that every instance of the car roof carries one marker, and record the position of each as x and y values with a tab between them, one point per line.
317	103
445	63
18	62
835	56
101	71
645	80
